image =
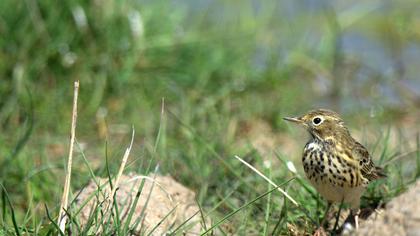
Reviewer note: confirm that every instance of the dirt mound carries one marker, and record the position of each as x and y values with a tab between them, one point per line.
401	216
163	204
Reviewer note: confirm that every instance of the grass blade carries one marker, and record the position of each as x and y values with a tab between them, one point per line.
237	210
267	210
161	221
52	221
12	211
62	218
268	180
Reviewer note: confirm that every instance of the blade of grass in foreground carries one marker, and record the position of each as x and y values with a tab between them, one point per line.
300	207
92	175
268	208
202	215
12	211
143	211
161	221
62	217
140	189
268	180
237	210
74	221
282	218
52	221
161	124
208	213
134	205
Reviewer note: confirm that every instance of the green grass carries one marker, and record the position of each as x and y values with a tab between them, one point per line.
218	65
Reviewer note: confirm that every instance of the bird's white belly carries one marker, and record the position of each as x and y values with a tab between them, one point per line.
333	193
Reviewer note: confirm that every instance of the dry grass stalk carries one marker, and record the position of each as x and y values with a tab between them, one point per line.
268	180
120	171
110	200
62	216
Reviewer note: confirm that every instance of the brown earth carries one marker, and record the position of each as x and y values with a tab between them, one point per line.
165	202
400	217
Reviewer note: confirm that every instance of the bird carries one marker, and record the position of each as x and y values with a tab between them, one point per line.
338	166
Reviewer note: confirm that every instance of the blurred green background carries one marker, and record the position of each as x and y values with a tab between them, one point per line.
221	67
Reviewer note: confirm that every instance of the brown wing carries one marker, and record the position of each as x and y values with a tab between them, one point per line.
367	168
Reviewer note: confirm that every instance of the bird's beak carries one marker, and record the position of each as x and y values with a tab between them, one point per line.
294	119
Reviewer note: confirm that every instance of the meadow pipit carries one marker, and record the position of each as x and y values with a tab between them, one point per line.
338	166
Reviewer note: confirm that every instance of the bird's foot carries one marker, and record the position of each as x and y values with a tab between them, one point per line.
351	223
320	232
353	218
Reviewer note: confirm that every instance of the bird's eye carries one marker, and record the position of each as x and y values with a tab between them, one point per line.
317	121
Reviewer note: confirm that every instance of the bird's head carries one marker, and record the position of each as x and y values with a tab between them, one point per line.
321	123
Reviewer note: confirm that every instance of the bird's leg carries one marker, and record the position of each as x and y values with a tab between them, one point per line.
337	218
320	231
355	213
353	218
326	214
